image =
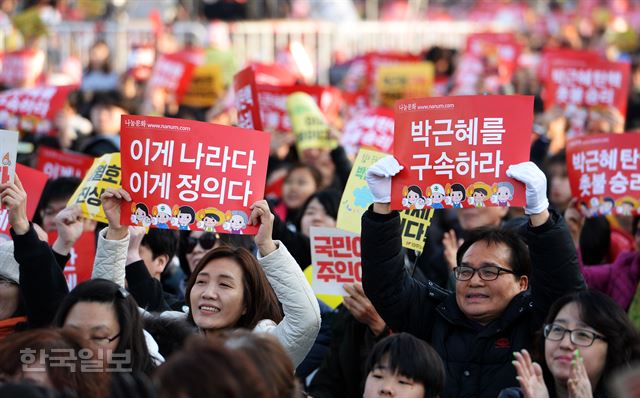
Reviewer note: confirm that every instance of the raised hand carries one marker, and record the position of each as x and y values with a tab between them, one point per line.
261	215
578	385
361	308
451	243
111	199
70	225
14	198
529	376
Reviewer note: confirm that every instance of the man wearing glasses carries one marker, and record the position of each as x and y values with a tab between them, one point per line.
505	284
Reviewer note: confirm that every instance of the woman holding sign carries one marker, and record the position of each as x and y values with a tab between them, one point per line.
229	287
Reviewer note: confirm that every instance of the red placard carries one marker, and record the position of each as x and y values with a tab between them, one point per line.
246	98
33	182
82	255
372	128
22	68
273	109
273	74
189	175
55	163
589	91
172	73
456	150
575	57
604	173
32	109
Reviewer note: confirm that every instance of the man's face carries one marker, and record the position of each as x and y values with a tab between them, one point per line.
479	196
164	218
483	301
437	197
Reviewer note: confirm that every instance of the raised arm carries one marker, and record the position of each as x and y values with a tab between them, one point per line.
42	283
555	270
113	241
298	329
404	303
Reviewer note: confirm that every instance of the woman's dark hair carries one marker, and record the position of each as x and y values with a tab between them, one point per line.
259	298
410	357
106	66
328	198
480	190
270	358
37	347
126	309
595	240
600	312
519	259
206	369
188	210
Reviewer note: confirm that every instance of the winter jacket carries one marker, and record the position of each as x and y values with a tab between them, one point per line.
301	322
42	282
477	358
618	280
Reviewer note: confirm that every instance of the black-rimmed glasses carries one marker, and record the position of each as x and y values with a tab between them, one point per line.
579	337
486	273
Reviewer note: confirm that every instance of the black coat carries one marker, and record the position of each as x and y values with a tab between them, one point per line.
477	358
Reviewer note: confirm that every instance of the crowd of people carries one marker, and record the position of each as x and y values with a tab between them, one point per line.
502	302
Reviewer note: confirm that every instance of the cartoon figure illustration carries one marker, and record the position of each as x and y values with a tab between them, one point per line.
606	206
183	217
436	194
477	194
412	194
140	216
209	219
456	195
4	169
161	216
236	223
502	193
627	206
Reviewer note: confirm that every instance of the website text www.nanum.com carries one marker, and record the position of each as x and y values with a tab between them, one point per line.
168	127
435	106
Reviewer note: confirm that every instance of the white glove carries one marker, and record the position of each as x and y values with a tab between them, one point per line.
536	183
379	178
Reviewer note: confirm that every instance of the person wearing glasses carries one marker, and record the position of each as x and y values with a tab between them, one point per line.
505	284
587	339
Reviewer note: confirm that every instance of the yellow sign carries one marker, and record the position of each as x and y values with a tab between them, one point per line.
206	87
308	123
405	80
415	224
357	197
29	23
331	300
104	173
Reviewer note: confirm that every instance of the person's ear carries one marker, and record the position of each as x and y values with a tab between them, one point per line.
523	283
161	262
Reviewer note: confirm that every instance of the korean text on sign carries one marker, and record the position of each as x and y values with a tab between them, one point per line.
453	150
336	256
105	173
604	173
192	176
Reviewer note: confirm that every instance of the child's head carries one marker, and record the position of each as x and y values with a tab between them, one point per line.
403	366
